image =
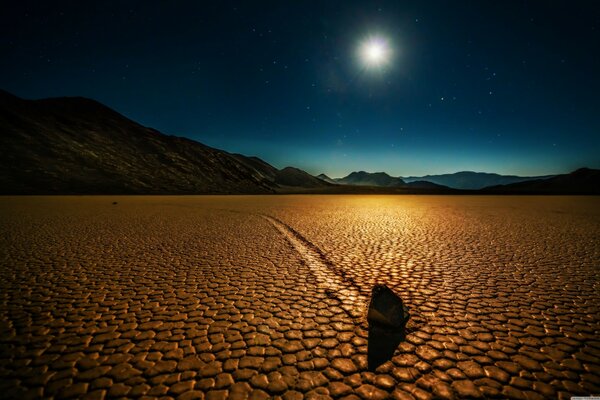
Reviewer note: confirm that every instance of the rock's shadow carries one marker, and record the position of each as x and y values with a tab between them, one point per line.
382	345
387	317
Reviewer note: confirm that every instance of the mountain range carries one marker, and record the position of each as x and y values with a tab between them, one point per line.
581	181
380	179
466	180
473	180
74	145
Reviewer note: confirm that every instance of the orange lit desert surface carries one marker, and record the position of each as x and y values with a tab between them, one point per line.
265	296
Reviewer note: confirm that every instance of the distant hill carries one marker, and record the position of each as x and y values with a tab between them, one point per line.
325	178
288	177
382	183
472	180
362	178
77	145
294	177
465	180
581	181
425	185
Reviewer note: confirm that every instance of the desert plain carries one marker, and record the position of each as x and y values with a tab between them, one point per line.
216	297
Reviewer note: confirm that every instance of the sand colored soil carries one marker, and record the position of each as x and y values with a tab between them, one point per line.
264	296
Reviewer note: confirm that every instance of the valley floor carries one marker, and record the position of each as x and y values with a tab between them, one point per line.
264	296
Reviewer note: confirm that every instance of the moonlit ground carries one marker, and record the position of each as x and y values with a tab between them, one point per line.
210	297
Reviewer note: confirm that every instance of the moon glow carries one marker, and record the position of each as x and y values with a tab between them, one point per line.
374	52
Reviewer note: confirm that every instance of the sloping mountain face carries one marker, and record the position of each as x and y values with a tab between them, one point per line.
288	177
425	185
362	178
325	178
77	145
581	181
472	180
294	177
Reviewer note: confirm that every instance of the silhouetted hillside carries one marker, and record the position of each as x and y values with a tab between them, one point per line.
362	178
294	177
325	178
581	181
472	180
77	145
425	185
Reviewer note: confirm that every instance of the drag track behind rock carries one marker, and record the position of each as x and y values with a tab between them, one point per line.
352	299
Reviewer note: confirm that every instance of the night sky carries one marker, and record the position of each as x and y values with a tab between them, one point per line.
496	86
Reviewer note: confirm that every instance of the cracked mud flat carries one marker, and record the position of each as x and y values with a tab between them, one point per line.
264	296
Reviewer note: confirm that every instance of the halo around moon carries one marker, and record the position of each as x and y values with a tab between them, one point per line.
374	52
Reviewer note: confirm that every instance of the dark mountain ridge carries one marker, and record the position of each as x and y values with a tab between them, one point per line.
473	180
464	180
581	181
74	145
325	178
362	178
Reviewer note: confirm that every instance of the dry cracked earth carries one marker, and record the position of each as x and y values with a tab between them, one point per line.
264	296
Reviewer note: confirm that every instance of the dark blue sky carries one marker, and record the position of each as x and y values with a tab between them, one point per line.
498	86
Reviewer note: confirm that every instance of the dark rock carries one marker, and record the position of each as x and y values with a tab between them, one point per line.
386	309
387	317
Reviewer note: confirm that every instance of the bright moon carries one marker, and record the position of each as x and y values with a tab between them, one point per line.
375	52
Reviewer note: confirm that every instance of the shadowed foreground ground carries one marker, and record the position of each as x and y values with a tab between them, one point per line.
260	297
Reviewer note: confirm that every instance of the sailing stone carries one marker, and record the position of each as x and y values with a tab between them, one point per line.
386	309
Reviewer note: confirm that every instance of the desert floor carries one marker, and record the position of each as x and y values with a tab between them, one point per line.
265	296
